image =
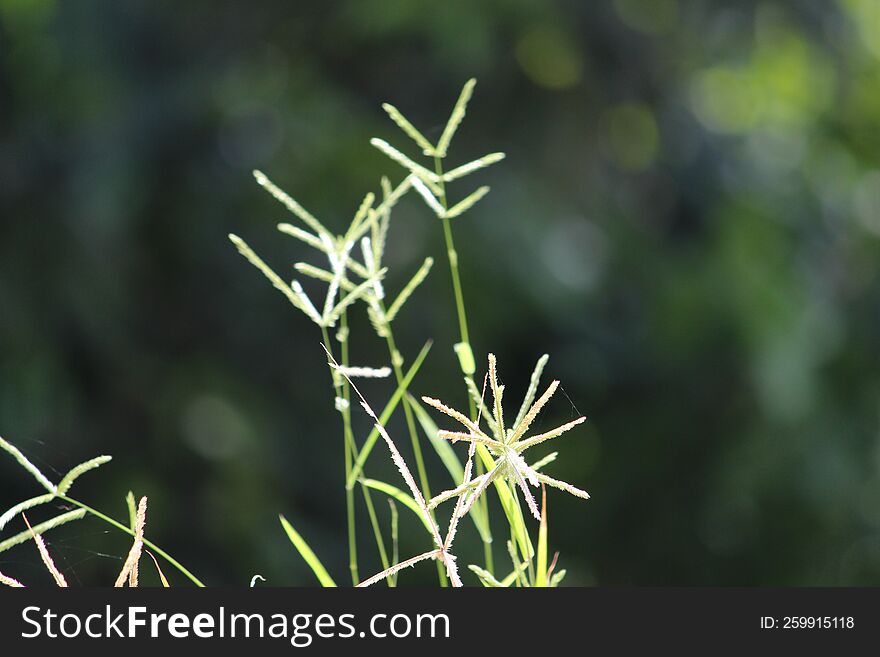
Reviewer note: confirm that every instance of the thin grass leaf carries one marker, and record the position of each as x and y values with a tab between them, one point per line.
306	553
162	577
45	556
24	506
402	497
370	442
455	118
470	167
429	197
467	203
533	388
42	528
408	289
417	170
27	465
541	565
68	479
290	204
409	129
6	580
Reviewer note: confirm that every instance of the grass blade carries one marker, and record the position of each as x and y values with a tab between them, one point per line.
541	566
306	553
404	498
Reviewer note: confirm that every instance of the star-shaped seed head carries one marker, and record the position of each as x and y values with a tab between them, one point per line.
506	445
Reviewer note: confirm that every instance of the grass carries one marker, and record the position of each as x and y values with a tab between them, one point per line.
351	267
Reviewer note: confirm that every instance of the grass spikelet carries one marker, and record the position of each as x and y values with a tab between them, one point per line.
455	118
540	438
417	279
467	203
6	580
268	272
454	414
532	413
288	202
24	506
562	485
301	235
421	173
429	197
305	303
27	465
45	556
353	296
130	567
365	372
409	563
409	129
322	275
68	479
42	528
474	165
533	388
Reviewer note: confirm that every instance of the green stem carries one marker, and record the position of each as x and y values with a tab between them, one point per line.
348	446
452	256
380	542
155	548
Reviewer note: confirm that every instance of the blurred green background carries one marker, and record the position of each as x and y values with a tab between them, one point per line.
687	222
